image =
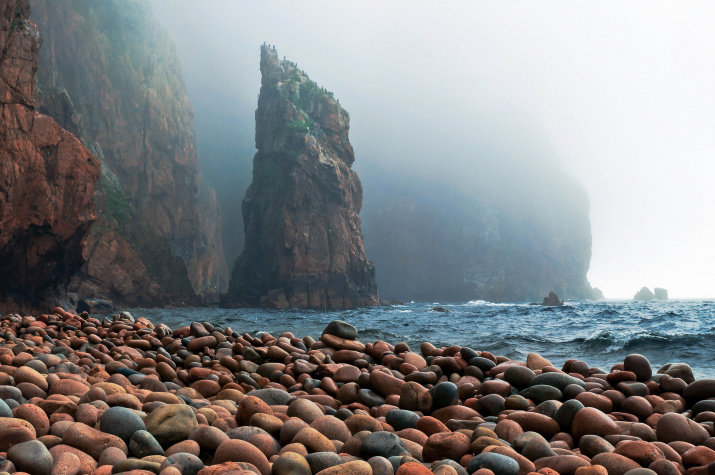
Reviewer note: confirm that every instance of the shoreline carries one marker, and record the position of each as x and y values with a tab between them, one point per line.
93	393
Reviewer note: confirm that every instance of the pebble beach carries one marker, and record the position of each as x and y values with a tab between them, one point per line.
119	394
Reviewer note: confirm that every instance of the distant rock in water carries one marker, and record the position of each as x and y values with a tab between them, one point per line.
304	245
660	293
439	309
644	294
47	179
552	300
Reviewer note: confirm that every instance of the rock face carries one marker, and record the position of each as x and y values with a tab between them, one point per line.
109	73
660	294
304	245
47	178
513	236
552	300
644	294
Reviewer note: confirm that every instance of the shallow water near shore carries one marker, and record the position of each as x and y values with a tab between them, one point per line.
601	333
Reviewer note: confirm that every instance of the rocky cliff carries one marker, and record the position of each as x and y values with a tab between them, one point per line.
304	245
512	236
47	179
109	73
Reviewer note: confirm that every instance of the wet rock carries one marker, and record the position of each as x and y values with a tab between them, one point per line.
639	365
591	421
143	444
341	329
382	444
121	422
673	427
319	461
497	463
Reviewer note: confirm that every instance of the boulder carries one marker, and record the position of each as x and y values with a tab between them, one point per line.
552	300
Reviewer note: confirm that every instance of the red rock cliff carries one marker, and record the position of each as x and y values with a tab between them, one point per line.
47	179
111	74
304	246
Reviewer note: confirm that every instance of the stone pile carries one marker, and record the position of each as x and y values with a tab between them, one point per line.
84	396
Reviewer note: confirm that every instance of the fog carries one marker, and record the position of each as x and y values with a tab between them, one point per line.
621	94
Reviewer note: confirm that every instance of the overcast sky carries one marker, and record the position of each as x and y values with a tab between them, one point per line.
622	92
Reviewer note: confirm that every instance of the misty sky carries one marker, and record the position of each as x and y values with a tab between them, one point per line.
622	93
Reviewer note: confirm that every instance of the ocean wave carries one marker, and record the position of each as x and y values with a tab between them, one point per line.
484	303
614	340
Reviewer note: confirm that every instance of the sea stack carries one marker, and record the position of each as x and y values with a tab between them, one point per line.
644	294
47	179
304	245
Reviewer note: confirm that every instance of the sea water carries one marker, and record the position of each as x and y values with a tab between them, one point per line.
601	333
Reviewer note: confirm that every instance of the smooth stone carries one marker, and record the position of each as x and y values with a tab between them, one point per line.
415	397
111	455
370	398
699	390
615	464
451	463
332	428
354	467
557	380
642	452
592	445
67	464
319	461
591	421
639	365
444	394
171	423
568	410
121	421
536	449
143	444
272	396
402	419
32	457
562	464
5	410
91	441
673	427
381	466
187	464
291	463
485	364
450	445
129	465
497	463
35	416
304	409
532	421
679	370
209	438
341	329
382	444
236	450
519	376
541	393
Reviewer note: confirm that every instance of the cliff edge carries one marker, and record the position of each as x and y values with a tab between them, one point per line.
47	179
304	245
110	74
